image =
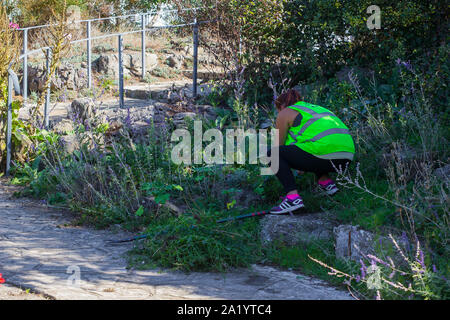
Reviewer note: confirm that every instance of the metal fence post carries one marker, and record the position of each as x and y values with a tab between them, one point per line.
121	99
25	65
144	71
194	74
89	54
47	97
9	126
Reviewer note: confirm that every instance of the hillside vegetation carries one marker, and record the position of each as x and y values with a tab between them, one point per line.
390	87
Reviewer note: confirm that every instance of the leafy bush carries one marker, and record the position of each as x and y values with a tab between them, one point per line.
39	12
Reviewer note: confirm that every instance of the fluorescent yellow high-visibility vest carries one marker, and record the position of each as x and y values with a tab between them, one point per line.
321	133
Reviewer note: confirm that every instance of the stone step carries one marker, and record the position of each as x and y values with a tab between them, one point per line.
205	75
169	92
351	242
293	230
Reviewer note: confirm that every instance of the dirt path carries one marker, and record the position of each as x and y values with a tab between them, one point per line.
41	252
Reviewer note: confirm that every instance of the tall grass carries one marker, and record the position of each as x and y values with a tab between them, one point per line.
409	142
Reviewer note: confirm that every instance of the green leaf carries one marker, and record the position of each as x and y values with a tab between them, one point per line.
140	211
162	198
177	187
231	204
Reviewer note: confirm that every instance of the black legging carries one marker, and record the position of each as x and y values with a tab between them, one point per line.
292	157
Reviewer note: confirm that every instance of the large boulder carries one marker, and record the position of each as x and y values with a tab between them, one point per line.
69	143
72	78
175	61
443	173
134	63
67	76
138	92
89	140
354	243
105	64
108	64
297	229
82	110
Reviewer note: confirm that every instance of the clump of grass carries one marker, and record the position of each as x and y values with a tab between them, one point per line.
190	244
165	72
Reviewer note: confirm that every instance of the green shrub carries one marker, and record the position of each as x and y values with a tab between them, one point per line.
188	244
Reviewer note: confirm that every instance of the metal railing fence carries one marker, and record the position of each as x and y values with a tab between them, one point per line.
144	28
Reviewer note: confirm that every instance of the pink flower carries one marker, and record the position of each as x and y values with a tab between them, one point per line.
13	25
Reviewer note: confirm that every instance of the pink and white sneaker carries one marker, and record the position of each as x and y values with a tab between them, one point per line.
328	187
288	205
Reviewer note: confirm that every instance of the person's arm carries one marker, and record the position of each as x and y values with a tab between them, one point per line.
283	125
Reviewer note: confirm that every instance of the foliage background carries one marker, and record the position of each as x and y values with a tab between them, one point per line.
389	85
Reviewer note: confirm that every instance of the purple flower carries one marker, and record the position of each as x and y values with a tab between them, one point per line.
404	237
363	269
407	65
127	120
375	259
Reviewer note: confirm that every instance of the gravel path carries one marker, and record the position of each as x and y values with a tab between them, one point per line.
41	251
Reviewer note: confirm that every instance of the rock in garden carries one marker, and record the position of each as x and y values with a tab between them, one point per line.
114	128
354	243
293	230
69	143
71	77
443	173
67	76
174	61
64	127
82	110
207	111
138	92
134	62
108	64
180	118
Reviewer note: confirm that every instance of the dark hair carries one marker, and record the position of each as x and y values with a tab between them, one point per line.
288	98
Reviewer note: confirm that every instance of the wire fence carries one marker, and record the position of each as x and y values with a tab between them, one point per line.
144	21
